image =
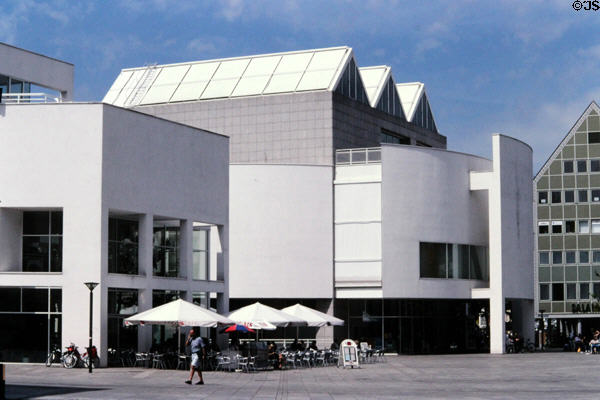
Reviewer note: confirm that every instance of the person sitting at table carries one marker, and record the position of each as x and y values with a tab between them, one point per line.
302	345
313	345
294	346
334	346
273	356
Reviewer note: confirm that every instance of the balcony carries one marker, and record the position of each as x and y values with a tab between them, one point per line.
29	98
358	156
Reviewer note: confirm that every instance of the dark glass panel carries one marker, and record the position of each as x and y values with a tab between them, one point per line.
16	86
36	222
583	196
569	196
24	338
595	165
11	299
556	197
55	300
581	166
433	260
56	221
35	300
35	253
558	292
584	291
479	263
543	197
594	137
56	254
122	301
55	331
567	167
544	292
584	257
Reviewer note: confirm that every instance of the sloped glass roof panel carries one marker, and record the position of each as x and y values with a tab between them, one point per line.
195	81
231	69
129	87
293	63
117	86
165	84
283	83
262	66
313	80
219	88
324	60
251	85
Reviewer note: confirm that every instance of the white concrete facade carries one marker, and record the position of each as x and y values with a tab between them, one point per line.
37	69
91	161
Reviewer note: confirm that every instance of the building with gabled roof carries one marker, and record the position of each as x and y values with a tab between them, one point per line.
567	229
416	105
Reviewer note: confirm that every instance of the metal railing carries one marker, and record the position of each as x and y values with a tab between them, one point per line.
28	98
368	155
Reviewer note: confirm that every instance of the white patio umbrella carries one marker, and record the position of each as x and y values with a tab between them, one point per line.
178	313
260	316
312	317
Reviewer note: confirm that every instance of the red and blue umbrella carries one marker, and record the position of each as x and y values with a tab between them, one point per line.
237	328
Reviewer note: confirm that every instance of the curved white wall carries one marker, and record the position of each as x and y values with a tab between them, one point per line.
281	239
426	197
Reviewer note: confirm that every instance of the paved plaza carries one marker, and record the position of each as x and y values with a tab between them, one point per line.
482	376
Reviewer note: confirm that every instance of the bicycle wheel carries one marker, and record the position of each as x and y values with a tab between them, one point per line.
69	361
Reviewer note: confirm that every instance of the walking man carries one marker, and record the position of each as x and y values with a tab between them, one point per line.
195	341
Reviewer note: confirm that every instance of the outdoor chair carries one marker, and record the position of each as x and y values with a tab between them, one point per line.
252	363
307	359
223	362
182	361
320	358
158	361
243	363
290	358
141	358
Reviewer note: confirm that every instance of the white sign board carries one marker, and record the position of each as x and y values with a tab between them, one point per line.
349	353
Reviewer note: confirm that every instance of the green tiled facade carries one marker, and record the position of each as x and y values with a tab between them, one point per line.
567	196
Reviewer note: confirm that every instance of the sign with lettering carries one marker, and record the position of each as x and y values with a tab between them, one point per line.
349	353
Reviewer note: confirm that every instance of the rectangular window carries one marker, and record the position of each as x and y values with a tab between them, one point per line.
595	195
543	227
122	301
596	290
544	258
570	226
567	167
583	198
433	260
584	226
122	246
571	291
584	257
581	166
596	226
544	292
596	257
595	165
569	196
556	226
479	267
543	197
584	291
558	292
570	257
557	257
594	137
200	255
556	197
165	257
42	241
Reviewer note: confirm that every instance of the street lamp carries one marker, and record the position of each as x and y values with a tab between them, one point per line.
91	286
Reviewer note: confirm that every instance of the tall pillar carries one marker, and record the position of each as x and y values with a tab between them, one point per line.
145	247
186	262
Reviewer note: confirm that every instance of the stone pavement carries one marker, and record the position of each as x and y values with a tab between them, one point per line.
481	376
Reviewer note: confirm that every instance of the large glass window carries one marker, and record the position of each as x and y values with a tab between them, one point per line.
595	195
596	226
544	258
543	227
569	196
166	251
570	257
581	166
596	257
556	226
593	137
557	257
544	292
595	165
164	337
201	254
583	196
42	241
584	291
122	303
543	197
571	291
556	197
459	261
570	226
584	227
30	323
567	167
122	246
584	257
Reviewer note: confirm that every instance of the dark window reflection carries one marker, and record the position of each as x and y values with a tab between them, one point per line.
123	246
165	258
42	241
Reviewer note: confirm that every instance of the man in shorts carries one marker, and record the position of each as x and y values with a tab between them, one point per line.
195	341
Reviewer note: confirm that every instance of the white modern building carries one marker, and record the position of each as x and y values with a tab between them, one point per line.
95	193
342	197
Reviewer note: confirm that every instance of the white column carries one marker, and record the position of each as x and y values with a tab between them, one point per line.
186	263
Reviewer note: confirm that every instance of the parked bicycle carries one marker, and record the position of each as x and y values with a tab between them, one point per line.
55	356
72	358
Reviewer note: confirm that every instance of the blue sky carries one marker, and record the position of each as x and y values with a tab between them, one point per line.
523	68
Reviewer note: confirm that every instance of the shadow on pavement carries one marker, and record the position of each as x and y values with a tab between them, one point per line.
29	391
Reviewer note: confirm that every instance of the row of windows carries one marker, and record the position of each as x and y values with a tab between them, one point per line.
569	257
583	226
581	165
569	196
557	291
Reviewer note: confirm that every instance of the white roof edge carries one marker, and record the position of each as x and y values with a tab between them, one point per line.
387	72
341	67
237	58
